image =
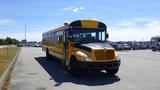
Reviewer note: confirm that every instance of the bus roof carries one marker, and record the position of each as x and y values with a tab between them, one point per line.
87	24
80	24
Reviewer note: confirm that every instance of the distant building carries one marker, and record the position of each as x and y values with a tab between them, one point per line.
31	43
24	41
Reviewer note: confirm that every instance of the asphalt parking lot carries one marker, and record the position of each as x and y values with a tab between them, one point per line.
139	70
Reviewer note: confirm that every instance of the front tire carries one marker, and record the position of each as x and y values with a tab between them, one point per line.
49	57
74	67
112	71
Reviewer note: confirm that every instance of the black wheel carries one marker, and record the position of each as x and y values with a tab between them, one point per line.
153	49
49	57
74	67
64	66
112	71
63	63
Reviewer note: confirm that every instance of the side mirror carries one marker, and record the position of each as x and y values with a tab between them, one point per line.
107	35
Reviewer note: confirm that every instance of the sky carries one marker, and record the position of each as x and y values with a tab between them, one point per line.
126	20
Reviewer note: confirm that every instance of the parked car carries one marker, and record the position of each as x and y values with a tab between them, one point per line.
37	45
143	46
136	46
126	46
155	43
119	47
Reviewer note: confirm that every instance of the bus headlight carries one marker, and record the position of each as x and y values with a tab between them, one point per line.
82	58
117	58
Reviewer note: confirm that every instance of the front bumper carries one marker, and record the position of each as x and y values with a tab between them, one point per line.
99	65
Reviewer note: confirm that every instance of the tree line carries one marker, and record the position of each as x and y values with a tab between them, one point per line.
8	41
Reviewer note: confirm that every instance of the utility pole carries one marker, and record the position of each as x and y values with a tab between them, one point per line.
25	41
25	32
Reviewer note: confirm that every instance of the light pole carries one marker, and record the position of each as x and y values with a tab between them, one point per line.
7	47
25	34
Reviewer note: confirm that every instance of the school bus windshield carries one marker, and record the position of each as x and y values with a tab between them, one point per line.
88	35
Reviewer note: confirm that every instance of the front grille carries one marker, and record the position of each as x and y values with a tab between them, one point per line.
104	54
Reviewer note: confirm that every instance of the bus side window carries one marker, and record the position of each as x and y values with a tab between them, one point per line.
56	39
60	36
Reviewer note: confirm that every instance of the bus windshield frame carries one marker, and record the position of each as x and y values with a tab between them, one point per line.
87	35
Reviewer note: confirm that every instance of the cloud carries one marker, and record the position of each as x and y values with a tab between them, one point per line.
136	21
81	8
33	32
6	21
68	8
150	28
73	9
154	23
127	23
31	36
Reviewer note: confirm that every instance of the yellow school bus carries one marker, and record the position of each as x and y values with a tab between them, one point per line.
81	45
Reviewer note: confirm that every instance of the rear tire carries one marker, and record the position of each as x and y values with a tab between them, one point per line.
49	57
112	71
74	67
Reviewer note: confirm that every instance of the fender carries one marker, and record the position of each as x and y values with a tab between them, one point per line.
77	55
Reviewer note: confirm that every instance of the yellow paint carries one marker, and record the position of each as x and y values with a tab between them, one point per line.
56	47
81	52
89	24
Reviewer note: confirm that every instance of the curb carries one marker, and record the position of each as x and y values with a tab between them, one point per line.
8	71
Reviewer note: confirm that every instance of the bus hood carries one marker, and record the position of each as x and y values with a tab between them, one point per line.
101	51
97	45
